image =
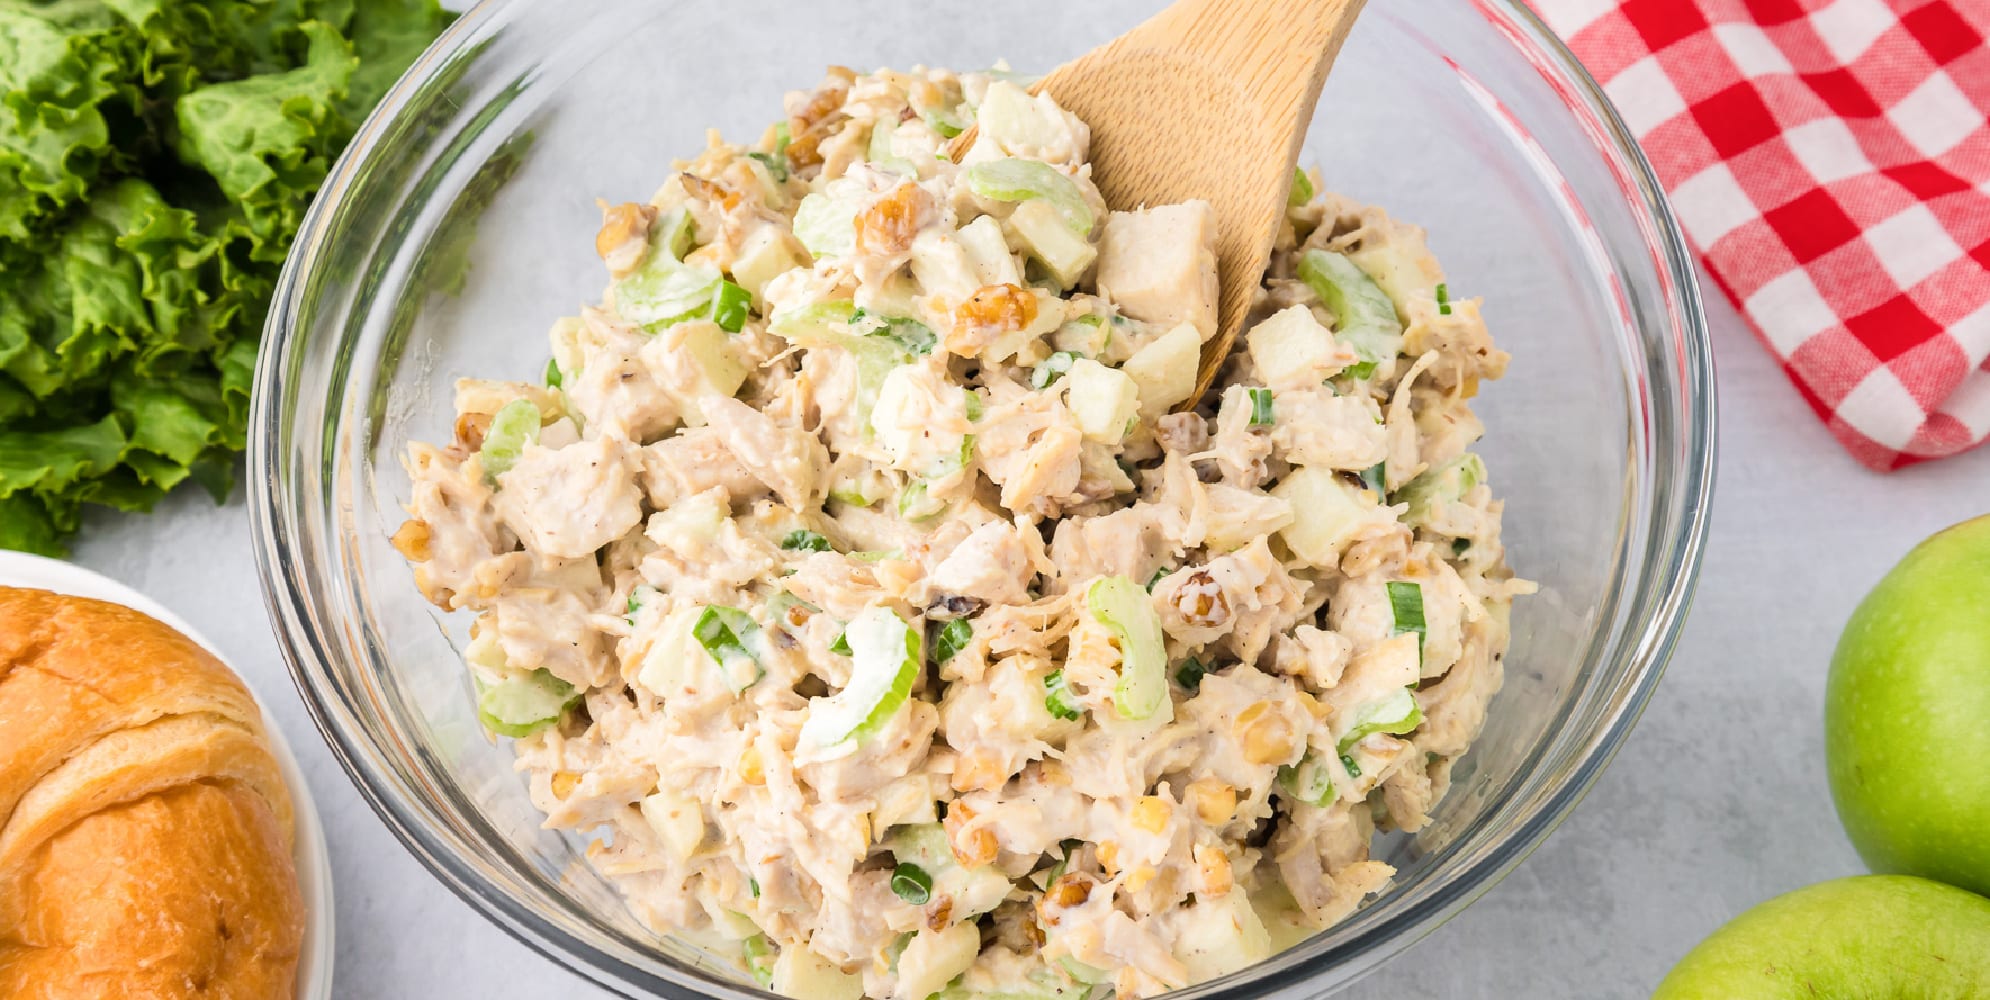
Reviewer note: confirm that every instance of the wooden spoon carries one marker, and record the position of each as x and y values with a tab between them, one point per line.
1208	99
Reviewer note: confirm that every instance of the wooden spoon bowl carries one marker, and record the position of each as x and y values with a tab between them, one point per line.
1208	99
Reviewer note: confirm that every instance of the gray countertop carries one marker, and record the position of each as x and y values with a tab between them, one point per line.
1718	800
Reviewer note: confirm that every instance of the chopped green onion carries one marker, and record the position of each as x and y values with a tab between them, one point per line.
781	137
753	886
973	406
1443	300
911	883
1064	862
1376	477
776	164
730	305
1460	546
1052	369
1191	673
1360	371
727	634
1302	189
804	540
952	639
1261	408
515	424
1159	575
1058	698
553	378
842	643
1406	604
1353	769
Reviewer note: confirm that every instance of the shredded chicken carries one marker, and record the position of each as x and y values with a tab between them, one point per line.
853	583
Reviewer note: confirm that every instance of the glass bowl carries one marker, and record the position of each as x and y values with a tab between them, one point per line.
461	223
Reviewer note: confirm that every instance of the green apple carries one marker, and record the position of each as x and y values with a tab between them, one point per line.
1873	937
1907	714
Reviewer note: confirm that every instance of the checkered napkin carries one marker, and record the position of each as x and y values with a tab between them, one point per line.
1831	162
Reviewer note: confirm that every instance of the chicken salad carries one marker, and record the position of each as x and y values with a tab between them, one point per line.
863	578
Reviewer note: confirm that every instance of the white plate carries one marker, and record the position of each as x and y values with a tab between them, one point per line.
314	865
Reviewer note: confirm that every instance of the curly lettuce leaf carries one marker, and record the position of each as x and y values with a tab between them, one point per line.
156	158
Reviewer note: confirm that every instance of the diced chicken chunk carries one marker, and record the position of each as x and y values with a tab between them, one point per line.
1159	265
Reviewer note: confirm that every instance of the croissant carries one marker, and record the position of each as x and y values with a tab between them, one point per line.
145	830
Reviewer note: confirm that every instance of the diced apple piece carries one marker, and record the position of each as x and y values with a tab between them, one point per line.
677	820
767	252
1051	241
1292	350
692	361
989	252
1105	400
934	958
1165	369
803	975
1327	514
1159	265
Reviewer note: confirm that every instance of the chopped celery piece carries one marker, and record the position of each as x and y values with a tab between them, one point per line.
952	639
665	290
779	605
514	424
1052	369
884	655
1302	189
524	703
1375	477
818	326
1398	713
1191	673
1309	781
730	305
1261	415
729	635
1406	604
1443	299
915	337
1057	697
760	954
777	166
944	121
841	644
804	540
1364	316
553	378
972	404
876	555
1360	371
1016	179
1445	483
915	503
1123	607
911	883
826	221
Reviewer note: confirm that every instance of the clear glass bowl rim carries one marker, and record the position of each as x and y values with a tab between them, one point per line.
1672	554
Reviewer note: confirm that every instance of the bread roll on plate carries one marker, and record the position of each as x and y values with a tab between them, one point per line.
145	828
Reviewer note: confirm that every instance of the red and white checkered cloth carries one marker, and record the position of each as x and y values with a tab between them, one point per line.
1830	161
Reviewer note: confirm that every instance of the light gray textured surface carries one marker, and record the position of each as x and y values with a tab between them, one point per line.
1718	800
